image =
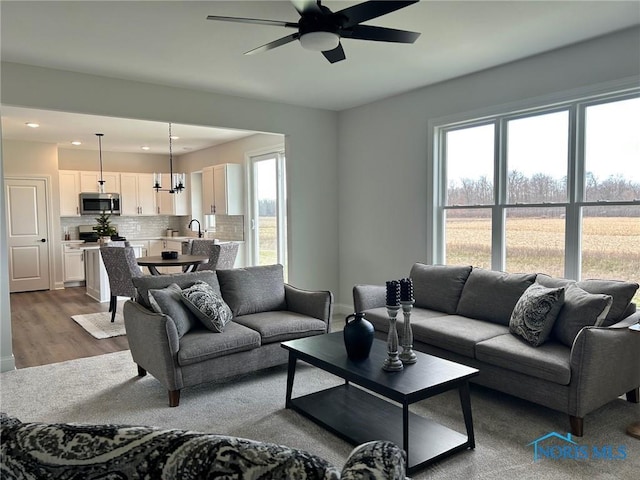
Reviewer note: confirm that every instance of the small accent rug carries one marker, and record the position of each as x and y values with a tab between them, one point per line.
99	324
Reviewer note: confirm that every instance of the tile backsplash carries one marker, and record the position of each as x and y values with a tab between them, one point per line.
228	227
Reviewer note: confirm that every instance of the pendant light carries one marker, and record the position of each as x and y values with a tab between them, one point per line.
176	180
101	181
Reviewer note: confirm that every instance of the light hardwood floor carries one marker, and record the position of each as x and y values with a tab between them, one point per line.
43	331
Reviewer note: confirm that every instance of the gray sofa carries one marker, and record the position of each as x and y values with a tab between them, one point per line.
469	315
182	346
31	451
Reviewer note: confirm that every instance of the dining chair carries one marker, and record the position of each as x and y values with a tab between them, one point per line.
222	256
121	266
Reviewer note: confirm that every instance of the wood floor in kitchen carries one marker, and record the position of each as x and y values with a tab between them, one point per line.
43	331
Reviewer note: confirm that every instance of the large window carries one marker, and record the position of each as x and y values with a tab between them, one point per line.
553	190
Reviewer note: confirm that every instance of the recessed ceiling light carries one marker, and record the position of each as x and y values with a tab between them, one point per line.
76	143
32	124
145	148
173	137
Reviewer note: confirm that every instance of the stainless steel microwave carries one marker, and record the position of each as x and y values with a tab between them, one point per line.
95	203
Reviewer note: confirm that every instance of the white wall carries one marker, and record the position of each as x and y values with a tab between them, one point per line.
383	153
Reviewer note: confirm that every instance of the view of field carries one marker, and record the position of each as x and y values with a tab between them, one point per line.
611	246
268	240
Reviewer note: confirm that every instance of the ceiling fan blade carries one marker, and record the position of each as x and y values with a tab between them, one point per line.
335	55
379	34
274	44
306	6
370	10
257	21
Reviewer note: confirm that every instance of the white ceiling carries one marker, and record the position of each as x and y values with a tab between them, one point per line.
172	43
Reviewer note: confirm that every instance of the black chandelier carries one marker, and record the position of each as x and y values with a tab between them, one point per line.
176	180
101	181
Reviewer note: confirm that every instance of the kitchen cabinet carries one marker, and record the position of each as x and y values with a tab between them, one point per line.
137	196
69	184
97	279
222	190
73	264
89	182
172	203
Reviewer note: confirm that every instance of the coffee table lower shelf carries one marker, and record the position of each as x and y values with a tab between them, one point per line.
358	417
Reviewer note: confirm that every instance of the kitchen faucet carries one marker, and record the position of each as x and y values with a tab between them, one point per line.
198	222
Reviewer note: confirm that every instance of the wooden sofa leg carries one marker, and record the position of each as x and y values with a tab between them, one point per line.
174	398
141	371
634	395
577	424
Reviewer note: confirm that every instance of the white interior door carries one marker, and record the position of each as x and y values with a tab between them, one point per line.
27	234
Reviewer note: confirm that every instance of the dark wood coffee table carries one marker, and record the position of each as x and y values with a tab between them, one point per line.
358	416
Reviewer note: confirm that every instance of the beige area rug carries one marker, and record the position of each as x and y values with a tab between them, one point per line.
99	324
106	389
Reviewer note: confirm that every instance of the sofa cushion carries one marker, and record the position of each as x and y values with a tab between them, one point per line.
580	309
253	289
183	280
490	295
380	319
454	333
200	344
278	326
622	293
550	361
438	287
168	300
208	306
535	313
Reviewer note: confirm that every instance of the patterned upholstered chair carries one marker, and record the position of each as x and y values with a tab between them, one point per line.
222	256
121	266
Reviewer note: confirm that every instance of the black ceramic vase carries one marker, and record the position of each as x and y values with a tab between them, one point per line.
358	336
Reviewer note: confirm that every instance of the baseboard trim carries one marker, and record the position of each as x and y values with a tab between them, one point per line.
7	363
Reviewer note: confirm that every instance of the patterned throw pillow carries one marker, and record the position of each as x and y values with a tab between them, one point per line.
535	313
208	306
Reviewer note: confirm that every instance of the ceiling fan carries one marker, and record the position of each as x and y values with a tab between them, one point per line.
320	29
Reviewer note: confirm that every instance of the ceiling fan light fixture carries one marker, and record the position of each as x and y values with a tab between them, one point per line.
320	41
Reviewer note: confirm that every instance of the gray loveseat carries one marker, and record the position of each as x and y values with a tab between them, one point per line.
463	314
31	451
181	349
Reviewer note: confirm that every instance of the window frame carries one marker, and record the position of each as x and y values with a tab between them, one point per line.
576	106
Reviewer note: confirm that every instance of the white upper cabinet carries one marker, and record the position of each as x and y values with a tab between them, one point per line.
172	203
137	196
222	190
89	182
69	181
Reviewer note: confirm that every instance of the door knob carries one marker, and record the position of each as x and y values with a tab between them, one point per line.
43	240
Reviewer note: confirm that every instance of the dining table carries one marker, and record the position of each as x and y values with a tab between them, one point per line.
187	262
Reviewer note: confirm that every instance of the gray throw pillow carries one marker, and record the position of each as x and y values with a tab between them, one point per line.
438	287
169	301
253	289
580	309
535	313
208	306
490	295
146	282
622	293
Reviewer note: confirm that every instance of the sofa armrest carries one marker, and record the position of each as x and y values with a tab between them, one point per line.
154	343
375	460
366	297
605	363
317	304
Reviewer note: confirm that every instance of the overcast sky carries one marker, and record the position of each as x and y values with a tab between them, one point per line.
539	144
